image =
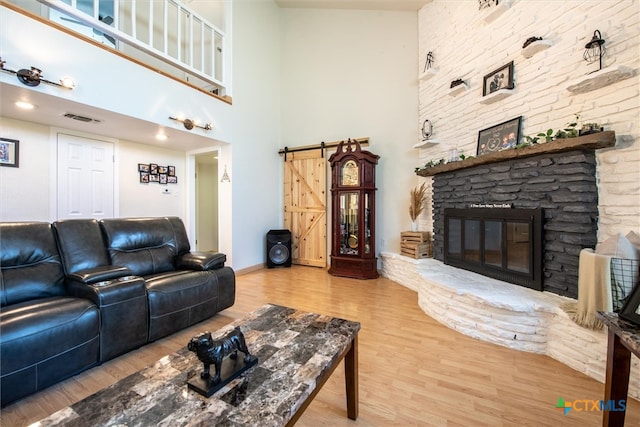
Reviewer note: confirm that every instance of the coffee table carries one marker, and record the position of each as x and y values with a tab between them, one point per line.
297	352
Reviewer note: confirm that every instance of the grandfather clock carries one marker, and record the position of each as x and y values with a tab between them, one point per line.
353	207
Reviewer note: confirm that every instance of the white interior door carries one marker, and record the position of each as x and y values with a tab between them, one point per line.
85	178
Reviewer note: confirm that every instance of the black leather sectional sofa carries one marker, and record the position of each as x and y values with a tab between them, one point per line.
76	293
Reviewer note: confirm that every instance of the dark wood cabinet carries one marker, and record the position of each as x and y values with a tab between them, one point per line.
353	207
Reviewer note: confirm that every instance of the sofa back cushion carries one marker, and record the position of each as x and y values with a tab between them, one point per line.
29	263
144	245
182	240
81	244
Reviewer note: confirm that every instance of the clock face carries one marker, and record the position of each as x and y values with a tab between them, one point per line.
350	173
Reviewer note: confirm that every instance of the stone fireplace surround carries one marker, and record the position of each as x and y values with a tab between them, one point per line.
502	313
559	177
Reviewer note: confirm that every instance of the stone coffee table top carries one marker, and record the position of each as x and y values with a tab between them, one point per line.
296	351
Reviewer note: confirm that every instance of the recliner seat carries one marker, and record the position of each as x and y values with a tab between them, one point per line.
45	335
157	249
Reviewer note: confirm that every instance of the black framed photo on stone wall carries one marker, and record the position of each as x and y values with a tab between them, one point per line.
499	137
502	78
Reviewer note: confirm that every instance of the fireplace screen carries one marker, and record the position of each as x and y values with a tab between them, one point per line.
501	243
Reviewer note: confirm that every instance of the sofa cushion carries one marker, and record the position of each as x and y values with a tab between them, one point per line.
180	233
144	245
179	299
81	244
29	263
44	341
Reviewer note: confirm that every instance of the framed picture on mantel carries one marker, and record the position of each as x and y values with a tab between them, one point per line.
499	137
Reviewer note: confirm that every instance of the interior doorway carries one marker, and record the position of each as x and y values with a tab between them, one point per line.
206	173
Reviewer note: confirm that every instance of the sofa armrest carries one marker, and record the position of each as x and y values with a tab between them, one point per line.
122	300
99	274
201	261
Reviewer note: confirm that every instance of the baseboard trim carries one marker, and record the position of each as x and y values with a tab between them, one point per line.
250	269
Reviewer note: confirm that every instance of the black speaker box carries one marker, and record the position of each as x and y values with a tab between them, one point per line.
278	248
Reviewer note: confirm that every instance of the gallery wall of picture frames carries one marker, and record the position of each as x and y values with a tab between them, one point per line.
152	172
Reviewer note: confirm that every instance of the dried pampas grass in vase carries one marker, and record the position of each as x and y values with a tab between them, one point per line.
416	203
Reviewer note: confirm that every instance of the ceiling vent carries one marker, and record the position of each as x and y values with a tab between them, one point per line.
81	118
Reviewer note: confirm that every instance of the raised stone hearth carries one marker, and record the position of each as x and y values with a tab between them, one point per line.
504	314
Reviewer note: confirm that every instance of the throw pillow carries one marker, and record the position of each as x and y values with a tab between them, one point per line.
617	246
634	238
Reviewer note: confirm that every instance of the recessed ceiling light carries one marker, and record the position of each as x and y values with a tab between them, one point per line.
161	137
25	105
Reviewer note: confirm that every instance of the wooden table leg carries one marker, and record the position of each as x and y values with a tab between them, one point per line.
617	380
351	379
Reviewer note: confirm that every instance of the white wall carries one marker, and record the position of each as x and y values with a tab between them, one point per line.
466	47
351	74
150	199
24	191
255	171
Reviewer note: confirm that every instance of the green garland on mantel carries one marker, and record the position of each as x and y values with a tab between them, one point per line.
592	141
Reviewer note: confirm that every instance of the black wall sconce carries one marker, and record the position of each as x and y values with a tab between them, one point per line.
190	124
595	50
33	77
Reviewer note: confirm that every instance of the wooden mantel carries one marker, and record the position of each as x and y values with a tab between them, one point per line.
589	142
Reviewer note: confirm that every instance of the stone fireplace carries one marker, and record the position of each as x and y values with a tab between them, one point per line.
557	178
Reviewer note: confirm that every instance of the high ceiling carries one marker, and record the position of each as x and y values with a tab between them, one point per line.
354	4
50	110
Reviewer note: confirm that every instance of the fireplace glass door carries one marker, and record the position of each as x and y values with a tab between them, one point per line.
501	243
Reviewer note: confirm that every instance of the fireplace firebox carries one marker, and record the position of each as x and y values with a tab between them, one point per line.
502	243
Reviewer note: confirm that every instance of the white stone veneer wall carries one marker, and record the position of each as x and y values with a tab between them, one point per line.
466	47
504	314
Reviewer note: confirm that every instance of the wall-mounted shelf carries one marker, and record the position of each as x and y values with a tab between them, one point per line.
594	141
428	74
492	13
600	79
536	47
457	90
496	96
426	143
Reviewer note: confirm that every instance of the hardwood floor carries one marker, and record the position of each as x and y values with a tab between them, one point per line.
413	371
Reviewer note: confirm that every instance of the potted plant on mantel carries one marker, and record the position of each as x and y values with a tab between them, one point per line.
416	204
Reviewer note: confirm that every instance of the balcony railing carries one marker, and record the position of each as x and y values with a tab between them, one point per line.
165	29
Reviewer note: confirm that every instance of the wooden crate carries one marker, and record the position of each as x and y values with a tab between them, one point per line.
423	250
416	237
416	244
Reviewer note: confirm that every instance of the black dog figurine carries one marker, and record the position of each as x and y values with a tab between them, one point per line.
213	352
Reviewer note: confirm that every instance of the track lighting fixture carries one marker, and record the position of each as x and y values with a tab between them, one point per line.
33	77
190	124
